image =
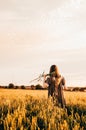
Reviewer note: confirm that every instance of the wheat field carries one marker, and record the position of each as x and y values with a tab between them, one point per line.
32	110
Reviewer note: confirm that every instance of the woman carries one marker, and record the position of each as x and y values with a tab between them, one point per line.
55	85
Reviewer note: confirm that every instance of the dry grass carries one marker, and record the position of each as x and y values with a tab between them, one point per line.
71	97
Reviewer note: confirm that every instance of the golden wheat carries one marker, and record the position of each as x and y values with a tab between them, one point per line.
32	110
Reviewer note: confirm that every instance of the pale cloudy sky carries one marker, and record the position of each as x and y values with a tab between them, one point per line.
34	34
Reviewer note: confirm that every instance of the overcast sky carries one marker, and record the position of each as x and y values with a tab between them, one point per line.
34	34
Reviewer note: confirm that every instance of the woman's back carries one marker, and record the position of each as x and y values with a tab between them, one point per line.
55	86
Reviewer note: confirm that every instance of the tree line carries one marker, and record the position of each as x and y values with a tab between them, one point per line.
31	87
39	87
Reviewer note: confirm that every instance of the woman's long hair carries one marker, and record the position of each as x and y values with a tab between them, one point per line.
54	71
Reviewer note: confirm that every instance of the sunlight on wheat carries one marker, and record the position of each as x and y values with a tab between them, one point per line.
32	110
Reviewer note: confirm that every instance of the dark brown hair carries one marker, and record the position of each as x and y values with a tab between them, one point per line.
54	69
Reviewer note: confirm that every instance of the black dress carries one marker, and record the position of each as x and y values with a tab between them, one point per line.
55	89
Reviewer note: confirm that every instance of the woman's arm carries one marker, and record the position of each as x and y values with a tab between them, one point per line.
64	83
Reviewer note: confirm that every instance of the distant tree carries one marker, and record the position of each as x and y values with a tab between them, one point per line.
5	86
22	87
82	89
76	89
16	87
38	86
11	85
33	87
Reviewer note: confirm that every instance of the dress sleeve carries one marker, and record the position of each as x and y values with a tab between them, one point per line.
47	81
63	81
